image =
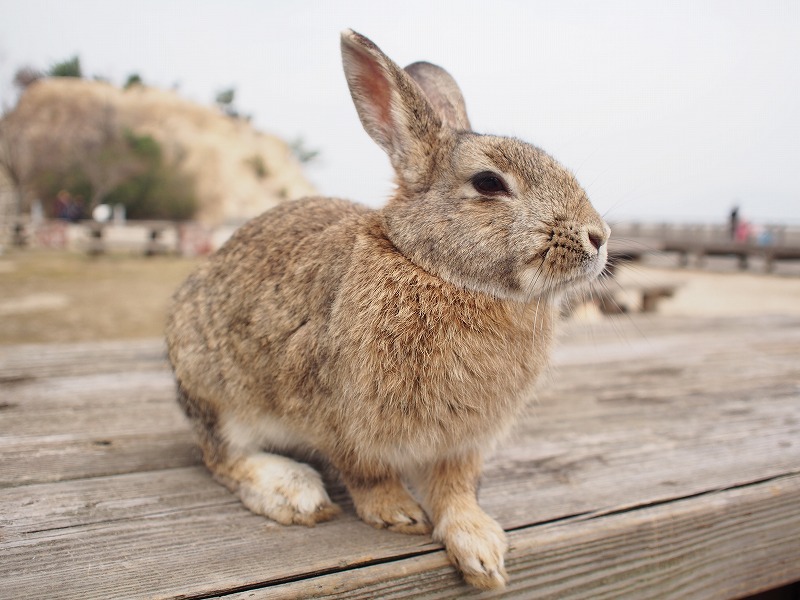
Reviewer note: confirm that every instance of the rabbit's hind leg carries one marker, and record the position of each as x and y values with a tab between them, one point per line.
278	487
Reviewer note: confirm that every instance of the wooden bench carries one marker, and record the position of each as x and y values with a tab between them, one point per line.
661	460
776	253
609	303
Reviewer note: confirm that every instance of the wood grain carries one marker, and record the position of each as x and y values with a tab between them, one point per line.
672	550
656	452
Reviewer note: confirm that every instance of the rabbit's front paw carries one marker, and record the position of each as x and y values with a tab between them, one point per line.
476	545
387	505
284	490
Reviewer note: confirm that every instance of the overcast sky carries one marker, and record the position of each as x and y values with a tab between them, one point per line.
665	110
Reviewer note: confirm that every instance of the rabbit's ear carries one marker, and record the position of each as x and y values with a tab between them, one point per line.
443	93
392	108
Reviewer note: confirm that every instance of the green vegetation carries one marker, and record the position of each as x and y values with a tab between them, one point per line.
158	191
224	100
68	68
256	162
132	172
98	161
49	182
302	152
133	80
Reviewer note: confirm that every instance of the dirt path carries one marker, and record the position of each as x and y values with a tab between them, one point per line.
59	297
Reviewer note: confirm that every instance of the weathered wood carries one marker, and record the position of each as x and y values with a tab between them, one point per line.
666	551
36	361
638	418
37	508
185	552
64	427
776	253
41	459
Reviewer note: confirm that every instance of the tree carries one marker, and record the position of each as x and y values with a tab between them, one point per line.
133	80
15	159
68	68
224	100
159	191
25	76
105	155
302	152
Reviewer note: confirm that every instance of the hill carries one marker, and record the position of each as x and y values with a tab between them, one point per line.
237	171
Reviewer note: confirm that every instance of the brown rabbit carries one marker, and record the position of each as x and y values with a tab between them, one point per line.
398	343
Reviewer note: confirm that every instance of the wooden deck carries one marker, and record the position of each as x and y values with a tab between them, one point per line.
662	460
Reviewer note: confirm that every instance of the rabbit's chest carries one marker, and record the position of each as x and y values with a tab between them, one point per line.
430	403
425	378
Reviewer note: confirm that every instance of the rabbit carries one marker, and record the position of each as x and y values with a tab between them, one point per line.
399	344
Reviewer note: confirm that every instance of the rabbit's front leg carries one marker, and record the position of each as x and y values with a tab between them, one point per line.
475	543
381	500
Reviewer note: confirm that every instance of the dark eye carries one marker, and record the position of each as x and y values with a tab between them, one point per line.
489	184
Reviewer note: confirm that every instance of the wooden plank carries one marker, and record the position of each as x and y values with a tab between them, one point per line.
553	469
660	417
91	421
637	383
65	427
35	361
725	544
184	552
33	509
36	459
557	472
112	403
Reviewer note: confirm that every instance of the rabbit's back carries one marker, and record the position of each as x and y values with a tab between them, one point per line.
231	321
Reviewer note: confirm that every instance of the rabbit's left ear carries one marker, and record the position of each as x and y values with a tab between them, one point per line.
393	109
442	92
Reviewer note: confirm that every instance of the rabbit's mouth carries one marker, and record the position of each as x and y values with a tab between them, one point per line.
553	272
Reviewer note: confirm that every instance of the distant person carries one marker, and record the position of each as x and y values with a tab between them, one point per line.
68	207
75	210
766	238
734	222
743	232
62	205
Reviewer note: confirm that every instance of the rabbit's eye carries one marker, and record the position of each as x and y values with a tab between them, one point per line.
489	184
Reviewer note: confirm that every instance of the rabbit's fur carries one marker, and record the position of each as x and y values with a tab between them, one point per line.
398	343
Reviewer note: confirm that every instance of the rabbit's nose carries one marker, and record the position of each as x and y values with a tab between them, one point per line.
596	236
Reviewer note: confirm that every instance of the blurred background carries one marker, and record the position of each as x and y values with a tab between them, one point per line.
157	127
665	110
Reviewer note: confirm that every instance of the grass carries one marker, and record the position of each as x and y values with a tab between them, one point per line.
50	297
